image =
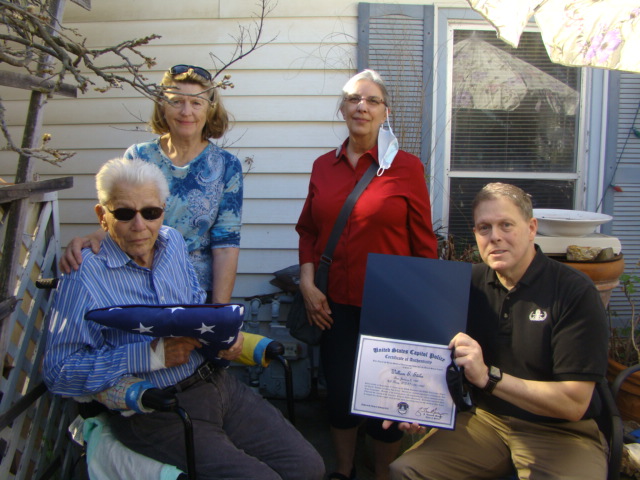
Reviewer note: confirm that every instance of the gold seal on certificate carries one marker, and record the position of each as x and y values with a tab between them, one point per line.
403	381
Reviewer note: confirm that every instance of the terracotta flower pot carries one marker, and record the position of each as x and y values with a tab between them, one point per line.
628	399
605	275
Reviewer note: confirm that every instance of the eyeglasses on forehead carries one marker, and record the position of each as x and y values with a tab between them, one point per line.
178	69
371	101
126	214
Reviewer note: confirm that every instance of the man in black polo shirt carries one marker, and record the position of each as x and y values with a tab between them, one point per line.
536	343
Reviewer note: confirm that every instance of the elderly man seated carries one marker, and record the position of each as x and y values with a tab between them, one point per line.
238	435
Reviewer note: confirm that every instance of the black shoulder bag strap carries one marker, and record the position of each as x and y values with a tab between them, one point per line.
322	274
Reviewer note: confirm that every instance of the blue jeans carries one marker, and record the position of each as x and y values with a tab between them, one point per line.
238	435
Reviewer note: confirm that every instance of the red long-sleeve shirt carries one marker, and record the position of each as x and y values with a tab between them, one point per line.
392	216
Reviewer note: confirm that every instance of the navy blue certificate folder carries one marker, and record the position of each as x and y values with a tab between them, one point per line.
415	299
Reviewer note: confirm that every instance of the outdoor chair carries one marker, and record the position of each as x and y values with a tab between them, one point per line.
618	438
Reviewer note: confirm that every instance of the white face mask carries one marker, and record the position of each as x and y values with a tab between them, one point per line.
387	146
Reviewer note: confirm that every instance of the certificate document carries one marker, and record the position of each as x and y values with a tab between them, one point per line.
403	381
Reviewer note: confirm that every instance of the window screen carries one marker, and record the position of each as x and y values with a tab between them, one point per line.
513	112
512	109
544	194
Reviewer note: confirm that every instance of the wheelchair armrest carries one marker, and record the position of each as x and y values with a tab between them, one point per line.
159	400
274	350
259	350
164	401
47	283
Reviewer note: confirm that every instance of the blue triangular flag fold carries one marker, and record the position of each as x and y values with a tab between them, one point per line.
216	326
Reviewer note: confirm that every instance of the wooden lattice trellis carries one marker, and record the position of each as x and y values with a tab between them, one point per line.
33	423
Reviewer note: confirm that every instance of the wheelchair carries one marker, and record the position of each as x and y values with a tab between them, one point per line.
155	399
164	401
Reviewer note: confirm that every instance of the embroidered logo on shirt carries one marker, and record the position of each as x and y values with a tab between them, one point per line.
538	316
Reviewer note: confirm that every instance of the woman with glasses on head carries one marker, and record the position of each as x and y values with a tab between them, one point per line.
392	216
205	181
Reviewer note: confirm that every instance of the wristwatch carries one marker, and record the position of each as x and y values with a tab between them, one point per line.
495	375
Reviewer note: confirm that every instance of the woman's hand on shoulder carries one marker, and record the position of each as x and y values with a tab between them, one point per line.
72	256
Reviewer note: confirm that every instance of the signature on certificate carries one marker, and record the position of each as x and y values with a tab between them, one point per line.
429	413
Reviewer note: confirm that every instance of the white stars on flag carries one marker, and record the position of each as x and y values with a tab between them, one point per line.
205	329
143	329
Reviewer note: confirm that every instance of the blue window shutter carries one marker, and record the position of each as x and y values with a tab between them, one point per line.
623	171
397	41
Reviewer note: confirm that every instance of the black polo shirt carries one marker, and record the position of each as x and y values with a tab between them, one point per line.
551	326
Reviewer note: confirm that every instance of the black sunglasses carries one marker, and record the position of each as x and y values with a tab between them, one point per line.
126	214
178	69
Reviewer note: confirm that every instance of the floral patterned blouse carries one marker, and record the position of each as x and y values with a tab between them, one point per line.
205	201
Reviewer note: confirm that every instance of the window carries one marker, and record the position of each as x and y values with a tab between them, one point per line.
529	134
513	119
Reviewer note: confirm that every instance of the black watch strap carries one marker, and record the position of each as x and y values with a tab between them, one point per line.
495	375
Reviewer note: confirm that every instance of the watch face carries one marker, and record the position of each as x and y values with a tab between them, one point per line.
495	372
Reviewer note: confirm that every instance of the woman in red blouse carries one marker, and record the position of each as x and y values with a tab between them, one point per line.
392	216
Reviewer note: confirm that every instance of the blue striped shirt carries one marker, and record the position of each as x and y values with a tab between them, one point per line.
84	357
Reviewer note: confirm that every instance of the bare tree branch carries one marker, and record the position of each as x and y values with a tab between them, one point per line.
247	36
45	153
28	36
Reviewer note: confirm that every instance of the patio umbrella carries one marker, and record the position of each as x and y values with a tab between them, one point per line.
486	77
578	33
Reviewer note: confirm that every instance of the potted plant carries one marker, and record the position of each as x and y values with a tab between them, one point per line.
624	351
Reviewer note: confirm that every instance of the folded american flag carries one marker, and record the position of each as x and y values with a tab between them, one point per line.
216	326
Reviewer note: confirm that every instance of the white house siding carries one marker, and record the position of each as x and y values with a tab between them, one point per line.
284	103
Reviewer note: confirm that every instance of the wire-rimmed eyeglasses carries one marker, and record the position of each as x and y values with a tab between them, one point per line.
371	101
196	103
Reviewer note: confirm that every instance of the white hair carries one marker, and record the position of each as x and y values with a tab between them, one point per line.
370	75
133	172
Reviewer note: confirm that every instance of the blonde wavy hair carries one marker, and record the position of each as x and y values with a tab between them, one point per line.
217	121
